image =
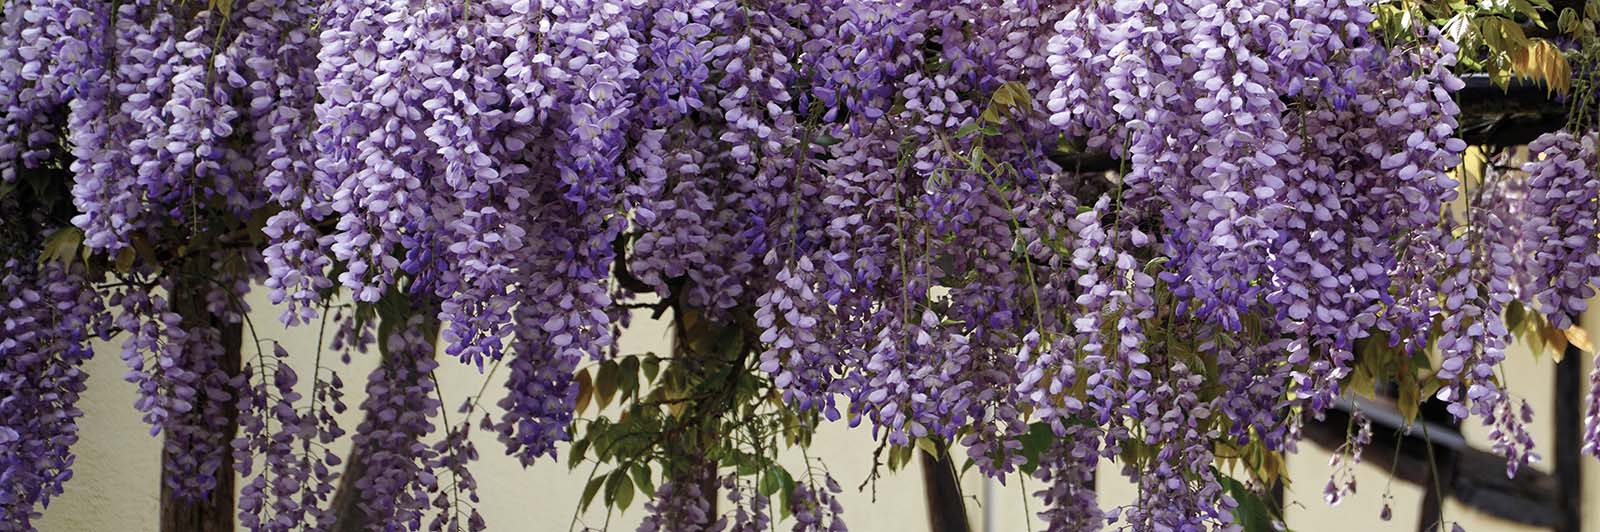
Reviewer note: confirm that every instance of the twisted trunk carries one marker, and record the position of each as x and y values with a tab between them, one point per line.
215	512
347	498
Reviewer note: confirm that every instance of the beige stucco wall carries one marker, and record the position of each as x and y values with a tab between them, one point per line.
117	469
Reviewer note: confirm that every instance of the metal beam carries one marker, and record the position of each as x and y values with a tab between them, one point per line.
1490	116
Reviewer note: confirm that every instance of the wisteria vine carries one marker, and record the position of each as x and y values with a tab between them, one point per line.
880	198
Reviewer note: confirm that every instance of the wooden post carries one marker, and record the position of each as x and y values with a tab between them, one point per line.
946	511
1568	421
346	505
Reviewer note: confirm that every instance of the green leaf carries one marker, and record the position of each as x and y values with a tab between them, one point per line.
785	483
651	367
1515	313
576	453
629	384
1034	443
769	483
590	490
928	446
900	456
641	478
619	489
1252	514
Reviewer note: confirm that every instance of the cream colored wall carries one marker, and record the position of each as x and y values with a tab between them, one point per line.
115	485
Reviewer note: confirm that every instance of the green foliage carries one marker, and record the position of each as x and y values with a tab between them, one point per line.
647	419
1253	514
1505	39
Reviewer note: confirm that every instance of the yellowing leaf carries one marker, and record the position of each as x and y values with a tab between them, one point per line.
1015	94
1410	398
62	246
989	115
1556	341
585	391
1579	338
125	260
1541	61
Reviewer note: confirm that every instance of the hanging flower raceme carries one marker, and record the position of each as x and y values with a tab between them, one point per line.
1561	207
816	506
281	64
567	314
877	193
682	504
1562	210
283	479
48	315
401	411
184	391
50	54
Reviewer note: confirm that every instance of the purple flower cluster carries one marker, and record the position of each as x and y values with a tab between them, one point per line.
400	411
868	184
747	517
1068	470
295	477
183	390
456	499
1560	217
1560	207
1282	212
48	314
816	506
50	52
681	504
279	61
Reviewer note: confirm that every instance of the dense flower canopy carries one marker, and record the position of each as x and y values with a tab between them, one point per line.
877	188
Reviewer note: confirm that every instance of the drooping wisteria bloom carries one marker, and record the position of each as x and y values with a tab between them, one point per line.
47	318
1562	210
401	414
881	196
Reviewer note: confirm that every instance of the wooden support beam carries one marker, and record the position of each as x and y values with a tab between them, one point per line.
1491	116
1476	478
1568	419
947	512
